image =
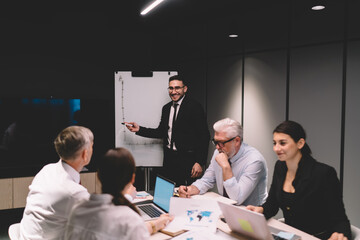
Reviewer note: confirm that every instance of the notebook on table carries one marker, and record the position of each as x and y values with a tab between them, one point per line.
164	190
252	224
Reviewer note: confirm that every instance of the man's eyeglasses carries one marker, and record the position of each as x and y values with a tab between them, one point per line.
177	88
222	144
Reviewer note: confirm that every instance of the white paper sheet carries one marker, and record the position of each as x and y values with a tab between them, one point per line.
214	196
193	214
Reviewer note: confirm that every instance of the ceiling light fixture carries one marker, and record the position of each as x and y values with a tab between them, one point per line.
318	7
233	28
151	6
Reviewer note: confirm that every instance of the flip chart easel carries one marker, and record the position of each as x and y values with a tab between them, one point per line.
140	100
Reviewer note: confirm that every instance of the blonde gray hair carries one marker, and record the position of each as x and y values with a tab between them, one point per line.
231	127
71	140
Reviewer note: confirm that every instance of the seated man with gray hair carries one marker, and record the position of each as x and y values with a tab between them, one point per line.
239	170
56	189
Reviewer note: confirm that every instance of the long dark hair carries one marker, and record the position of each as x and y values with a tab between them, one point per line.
295	131
115	172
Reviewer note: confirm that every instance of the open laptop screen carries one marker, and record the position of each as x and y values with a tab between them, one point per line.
164	190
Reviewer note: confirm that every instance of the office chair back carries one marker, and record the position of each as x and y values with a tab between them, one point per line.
355	232
14	231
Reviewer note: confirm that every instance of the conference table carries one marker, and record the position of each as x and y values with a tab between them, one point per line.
223	231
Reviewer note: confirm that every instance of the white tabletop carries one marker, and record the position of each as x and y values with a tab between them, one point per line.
225	233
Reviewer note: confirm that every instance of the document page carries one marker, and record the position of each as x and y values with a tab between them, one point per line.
214	196
193	214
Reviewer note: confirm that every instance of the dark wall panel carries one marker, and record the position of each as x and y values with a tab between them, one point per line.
353	18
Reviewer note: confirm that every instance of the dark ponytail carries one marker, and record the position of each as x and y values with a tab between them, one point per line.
120	199
115	172
296	132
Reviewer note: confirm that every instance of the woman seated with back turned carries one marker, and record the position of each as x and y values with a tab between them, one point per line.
110	215
308	192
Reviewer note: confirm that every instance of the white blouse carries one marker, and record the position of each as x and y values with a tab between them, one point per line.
99	218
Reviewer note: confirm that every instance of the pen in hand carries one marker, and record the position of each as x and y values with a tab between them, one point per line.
127	124
187	195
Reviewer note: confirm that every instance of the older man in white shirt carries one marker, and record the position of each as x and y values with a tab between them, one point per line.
56	189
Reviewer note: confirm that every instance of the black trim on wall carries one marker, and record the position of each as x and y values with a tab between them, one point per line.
242	89
288	61
343	100
206	68
287	105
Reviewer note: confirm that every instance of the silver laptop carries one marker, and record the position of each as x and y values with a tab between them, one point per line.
252	224
164	190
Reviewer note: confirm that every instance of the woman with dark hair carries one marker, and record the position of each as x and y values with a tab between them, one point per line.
111	215
307	191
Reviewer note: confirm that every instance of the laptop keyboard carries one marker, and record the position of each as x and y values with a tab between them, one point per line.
276	237
150	210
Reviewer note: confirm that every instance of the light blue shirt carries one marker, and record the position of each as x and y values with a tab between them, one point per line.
249	183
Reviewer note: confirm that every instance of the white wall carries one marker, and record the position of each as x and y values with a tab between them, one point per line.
264	101
315	98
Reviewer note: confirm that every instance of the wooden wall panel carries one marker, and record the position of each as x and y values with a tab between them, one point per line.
88	181
97	185
6	196
21	190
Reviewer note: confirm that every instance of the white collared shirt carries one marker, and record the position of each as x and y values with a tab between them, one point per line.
53	192
171	115
75	175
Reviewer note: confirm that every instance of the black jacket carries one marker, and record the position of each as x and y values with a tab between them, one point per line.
318	207
191	133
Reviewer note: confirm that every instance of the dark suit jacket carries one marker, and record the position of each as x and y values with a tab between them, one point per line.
191	133
318	205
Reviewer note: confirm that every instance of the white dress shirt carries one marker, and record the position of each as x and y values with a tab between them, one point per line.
53	192
171	115
100	219
249	183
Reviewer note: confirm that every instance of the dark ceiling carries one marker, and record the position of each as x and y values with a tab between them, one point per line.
48	46
114	33
40	26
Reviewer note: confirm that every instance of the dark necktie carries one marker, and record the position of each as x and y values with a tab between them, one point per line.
224	191
175	105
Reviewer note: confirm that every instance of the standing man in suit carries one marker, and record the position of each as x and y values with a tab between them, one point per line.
184	130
